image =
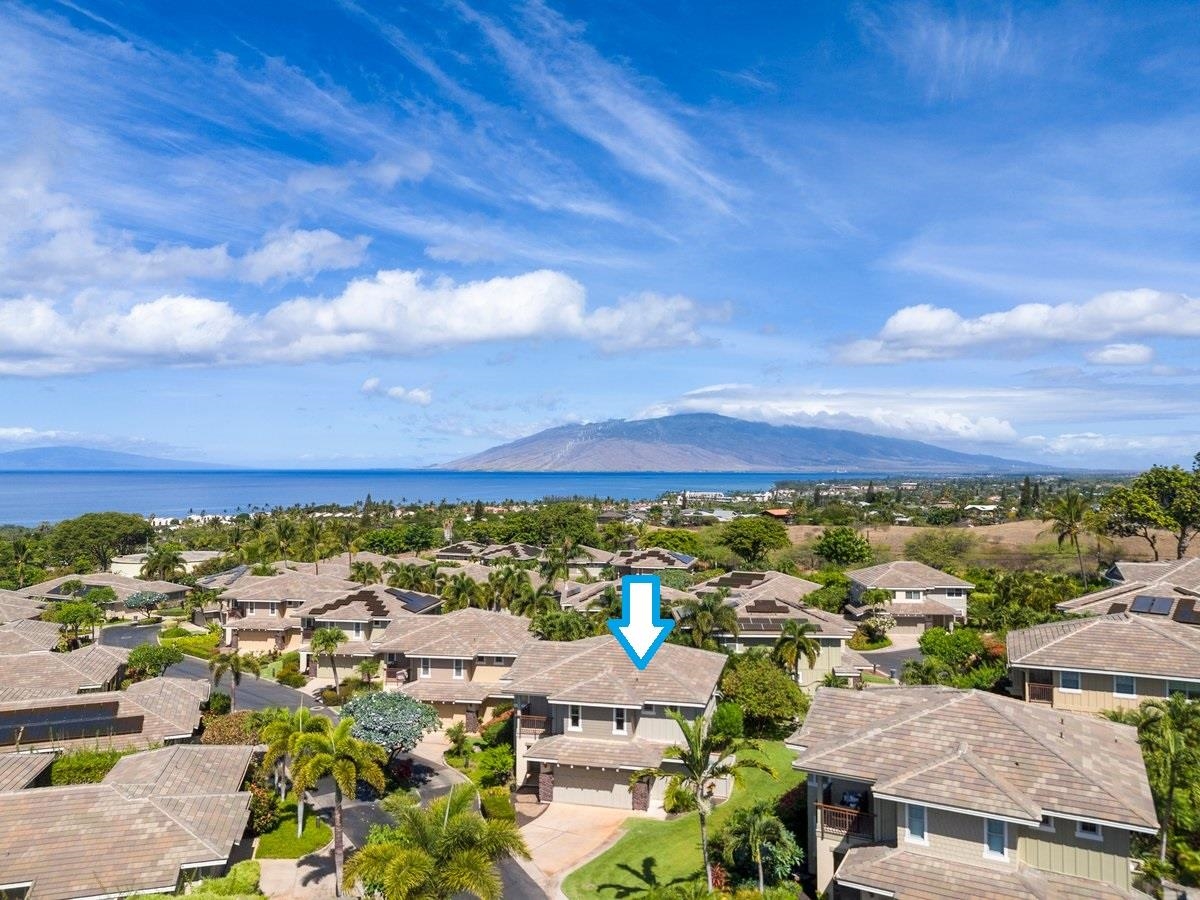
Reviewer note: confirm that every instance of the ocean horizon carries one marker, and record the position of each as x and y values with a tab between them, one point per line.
32	497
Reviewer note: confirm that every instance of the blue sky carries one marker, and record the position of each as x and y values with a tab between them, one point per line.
384	234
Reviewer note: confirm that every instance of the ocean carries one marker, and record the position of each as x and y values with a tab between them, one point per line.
30	498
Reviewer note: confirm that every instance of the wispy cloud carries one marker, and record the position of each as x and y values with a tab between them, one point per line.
374	387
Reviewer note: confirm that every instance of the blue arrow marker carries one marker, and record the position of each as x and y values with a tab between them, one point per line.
639	630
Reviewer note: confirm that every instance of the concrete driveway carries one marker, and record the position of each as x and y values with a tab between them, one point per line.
904	647
567	834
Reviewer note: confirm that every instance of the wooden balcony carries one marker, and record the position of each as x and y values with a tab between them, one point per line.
533	725
1039	693
835	821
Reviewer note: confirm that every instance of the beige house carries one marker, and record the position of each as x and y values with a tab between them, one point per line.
130	565
590	562
14	607
503	554
40	673
339	566
1104	662
1158	590
123	586
587	718
922	596
651	561
262	611
764	601
455	662
462	551
936	792
157	821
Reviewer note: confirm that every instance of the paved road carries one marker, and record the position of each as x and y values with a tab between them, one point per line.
252	693
887	660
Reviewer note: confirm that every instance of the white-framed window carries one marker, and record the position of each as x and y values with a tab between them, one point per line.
358	629
1189	690
619	720
1124	686
995	838
1089	831
426	667
574	718
914	823
273	608
1069	682
912	595
460	668
1047	824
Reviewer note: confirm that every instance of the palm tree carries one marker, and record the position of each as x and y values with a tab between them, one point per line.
163	562
368	669
365	572
327	639
606	605
444	850
280	734
1067	515
707	616
796	642
334	751
344	533
309	543
530	601
22	552
749	828
283	537
556	562
236	664
704	758
460	592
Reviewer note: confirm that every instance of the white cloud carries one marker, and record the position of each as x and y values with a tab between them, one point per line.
925	331
373	387
22	435
392	313
298	253
1121	355
1095	444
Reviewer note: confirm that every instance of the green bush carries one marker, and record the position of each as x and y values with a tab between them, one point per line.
83	766
173	632
242	880
290	660
219	703
498	733
291	678
493	766
727	721
496	803
198	645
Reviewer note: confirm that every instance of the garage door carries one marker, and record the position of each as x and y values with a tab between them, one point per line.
593	787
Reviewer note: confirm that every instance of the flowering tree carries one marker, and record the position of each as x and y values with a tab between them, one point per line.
145	600
390	719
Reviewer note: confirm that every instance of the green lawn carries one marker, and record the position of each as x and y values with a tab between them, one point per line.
868	678
201	645
282	843
659	853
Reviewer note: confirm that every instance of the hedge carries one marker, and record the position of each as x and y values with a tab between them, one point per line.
84	766
496	803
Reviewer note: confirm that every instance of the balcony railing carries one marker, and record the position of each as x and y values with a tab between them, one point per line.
533	725
845	820
1040	693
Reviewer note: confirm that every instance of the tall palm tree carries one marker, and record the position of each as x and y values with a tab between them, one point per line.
282	538
22	552
604	606
556	561
796	642
460	592
1067	515
334	751
444	850
365	572
705	758
530	601
327	639
344	532
163	562
280	734
706	617
749	829
310	538
236	665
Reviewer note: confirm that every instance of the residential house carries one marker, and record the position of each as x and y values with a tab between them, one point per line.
587	718
764	601
130	565
339	566
157	821
262	610
42	673
23	636
652	561
150	713
461	551
19	771
504	554
367	616
580	596
14	607
122	585
1159	590
935	792
455	662
1104	662
590	562
922	596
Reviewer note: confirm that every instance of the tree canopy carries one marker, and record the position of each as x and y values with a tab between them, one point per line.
98	537
1163	497
752	537
390	719
770	699
843	546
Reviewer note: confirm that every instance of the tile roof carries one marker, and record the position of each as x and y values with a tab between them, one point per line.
287	586
1184	572
181	770
430	690
511	552
19	770
597	671
25	635
902	609
905	575
188	556
14	606
1065	764
463	634
461	548
123	586
1178	580
653	558
571	750
912	874
579	596
262	622
339	566
1123	643
749	586
365	604
46	674
582	554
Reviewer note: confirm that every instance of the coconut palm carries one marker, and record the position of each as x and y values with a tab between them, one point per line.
556	562
334	751
344	532
236	665
749	829
460	592
1067	515
706	617
22	553
327	639
606	605
280	735
368	669
446	849
365	572
163	562
282	537
309	543
796	642
704	758
530	601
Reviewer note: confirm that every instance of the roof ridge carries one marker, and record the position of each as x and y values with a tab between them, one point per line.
935	698
153	801
999	780
1073	627
1171	634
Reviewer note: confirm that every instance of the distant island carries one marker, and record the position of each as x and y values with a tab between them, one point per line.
704	442
89	459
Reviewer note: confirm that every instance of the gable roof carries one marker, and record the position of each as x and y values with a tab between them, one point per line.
462	634
1122	643
287	585
26	635
912	738
654	558
905	574
597	671
365	604
181	770
1178	580
514	551
123	586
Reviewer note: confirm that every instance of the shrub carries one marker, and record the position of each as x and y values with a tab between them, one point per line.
456	734
174	632
862	641
234	728
770	700
677	798
493	766
728	722
83	766
496	803
499	732
290	660
291	678
264	809
219	704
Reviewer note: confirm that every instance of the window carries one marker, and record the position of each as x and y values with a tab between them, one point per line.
358	629
273	608
912	595
1124	686
459	668
1068	681
426	669
498	660
619	721
1190	691
574	718
995	838
956	592
648	708
1089	831
1047	824
915	822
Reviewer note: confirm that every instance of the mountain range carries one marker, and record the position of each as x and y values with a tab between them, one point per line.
704	442
88	459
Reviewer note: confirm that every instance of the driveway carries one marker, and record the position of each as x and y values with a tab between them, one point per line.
568	834
904	647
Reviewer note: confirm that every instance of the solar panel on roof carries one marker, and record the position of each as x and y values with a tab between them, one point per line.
1162	606
1187	613
1141	604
